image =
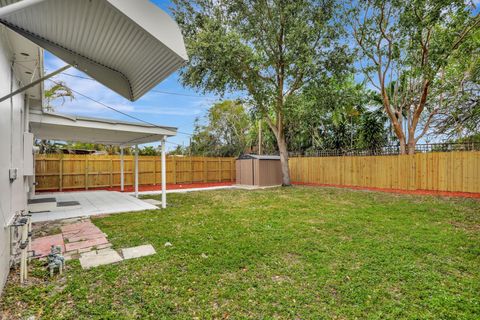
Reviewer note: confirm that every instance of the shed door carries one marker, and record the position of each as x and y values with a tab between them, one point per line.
246	171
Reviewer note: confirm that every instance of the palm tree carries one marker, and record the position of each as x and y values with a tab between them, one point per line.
58	91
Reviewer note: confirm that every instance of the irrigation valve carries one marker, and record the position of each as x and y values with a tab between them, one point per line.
56	260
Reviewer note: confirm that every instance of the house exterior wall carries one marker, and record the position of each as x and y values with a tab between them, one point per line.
13	195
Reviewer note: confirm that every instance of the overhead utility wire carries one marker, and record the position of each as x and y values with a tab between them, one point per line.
153	90
114	109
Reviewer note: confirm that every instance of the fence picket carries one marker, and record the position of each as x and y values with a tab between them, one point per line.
55	171
456	171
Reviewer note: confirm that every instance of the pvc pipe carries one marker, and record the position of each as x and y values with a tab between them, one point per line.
136	170
164	178
122	178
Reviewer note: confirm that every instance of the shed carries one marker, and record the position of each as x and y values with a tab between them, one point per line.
259	170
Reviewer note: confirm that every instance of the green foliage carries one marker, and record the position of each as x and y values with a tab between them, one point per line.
373	133
148	151
268	50
226	132
58	91
283	253
333	114
415	53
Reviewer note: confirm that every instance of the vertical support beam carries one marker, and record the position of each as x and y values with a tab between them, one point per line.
122	177
136	170
164	176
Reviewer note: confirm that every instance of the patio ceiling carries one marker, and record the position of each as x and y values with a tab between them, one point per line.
55	126
129	46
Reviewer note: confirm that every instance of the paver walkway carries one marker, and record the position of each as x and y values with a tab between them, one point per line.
75	238
85	241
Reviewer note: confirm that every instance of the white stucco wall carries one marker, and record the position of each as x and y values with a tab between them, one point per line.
13	196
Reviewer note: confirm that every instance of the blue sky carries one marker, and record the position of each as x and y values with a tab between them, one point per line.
163	109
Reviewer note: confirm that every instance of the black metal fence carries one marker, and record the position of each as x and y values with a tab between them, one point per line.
390	150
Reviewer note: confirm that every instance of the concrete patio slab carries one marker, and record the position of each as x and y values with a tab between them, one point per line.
137	252
42	245
184	190
153	201
91	203
97	258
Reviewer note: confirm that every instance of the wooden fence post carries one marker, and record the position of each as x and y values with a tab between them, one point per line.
219	169
111	173
155	170
205	170
86	173
174	169
191	170
60	176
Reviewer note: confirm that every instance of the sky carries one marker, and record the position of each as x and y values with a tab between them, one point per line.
178	110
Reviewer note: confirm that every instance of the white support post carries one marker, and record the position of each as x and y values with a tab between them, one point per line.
136	170
164	176
122	175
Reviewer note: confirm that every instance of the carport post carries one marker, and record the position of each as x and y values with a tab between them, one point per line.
136	170
122	178
164	176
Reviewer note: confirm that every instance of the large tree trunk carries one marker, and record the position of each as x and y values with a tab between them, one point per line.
282	147
411	145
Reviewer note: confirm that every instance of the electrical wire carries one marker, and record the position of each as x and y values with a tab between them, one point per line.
114	109
153	90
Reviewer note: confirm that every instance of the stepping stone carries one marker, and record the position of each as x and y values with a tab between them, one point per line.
42	245
98	258
75	227
85	244
152	201
137	252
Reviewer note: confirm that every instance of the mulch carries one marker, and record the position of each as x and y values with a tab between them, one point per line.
399	191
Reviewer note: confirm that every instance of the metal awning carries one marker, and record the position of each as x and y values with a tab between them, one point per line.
56	126
129	46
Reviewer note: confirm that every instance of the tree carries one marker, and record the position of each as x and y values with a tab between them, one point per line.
461	93
406	49
148	151
268	49
58	91
329	114
226	132
373	134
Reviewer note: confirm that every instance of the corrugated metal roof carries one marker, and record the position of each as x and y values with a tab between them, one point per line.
56	126
129	46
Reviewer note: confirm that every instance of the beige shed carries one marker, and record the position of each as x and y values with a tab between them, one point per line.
259	170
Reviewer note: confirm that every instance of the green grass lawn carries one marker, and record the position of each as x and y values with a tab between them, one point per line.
287	253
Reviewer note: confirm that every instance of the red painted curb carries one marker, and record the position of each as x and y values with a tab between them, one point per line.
152	187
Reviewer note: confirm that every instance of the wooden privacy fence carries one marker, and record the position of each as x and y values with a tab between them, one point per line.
436	171
58	171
